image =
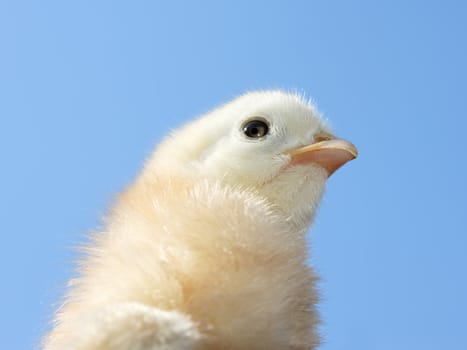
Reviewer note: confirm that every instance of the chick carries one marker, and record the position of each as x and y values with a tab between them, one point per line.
206	249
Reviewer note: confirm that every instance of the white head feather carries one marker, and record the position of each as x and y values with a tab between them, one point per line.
215	147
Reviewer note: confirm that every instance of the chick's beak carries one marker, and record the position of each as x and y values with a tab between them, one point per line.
329	152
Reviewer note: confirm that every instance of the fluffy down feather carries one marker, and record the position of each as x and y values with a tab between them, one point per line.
196	255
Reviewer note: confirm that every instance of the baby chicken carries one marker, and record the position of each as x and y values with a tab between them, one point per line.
206	249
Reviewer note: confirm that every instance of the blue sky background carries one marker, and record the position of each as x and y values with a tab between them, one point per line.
87	88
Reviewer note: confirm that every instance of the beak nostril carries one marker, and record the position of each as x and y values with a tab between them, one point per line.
323	136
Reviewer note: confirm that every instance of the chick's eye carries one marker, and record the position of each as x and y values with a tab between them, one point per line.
254	129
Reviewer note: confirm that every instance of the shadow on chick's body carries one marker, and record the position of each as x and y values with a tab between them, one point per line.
207	249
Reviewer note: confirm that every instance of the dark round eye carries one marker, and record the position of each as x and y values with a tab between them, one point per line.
255	129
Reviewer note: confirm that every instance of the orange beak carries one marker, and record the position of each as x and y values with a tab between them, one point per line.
329	153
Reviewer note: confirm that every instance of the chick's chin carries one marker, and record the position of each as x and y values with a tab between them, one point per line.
296	192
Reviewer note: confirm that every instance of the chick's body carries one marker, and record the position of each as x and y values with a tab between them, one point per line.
193	261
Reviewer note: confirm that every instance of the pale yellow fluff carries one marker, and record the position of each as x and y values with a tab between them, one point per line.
207	248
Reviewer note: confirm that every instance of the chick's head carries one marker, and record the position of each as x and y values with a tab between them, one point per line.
272	142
